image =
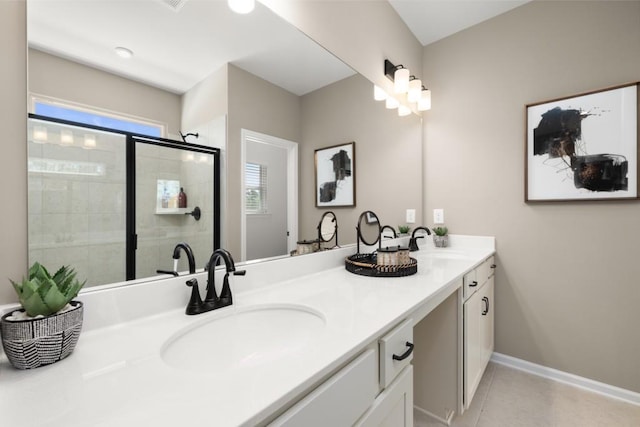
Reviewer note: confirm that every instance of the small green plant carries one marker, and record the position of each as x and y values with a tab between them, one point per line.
43	294
440	231
404	229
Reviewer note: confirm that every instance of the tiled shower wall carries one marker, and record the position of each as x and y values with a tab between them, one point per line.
77	203
158	234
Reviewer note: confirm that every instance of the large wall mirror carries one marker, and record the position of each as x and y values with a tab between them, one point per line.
199	68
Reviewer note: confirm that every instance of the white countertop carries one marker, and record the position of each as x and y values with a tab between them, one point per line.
117	377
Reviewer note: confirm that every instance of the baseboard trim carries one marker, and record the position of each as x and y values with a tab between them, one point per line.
444	421
567	378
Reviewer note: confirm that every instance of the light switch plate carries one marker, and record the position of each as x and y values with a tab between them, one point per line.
411	216
438	216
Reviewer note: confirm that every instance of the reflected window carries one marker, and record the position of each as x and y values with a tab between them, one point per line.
256	188
94	118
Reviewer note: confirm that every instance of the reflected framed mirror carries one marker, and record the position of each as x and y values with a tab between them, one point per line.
368	229
328	228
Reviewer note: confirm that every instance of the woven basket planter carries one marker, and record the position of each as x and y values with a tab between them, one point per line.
32	343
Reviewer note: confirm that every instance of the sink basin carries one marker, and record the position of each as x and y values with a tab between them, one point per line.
241	338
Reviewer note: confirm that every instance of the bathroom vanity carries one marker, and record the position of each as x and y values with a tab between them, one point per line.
306	343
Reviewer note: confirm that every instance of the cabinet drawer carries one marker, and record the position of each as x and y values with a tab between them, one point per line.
340	400
485	270
470	284
396	351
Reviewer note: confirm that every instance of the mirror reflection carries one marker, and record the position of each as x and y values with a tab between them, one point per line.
369	229
328	228
113	222
202	69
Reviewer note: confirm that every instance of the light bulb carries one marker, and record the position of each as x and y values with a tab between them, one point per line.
391	103
378	93
415	90
89	141
242	6
403	110
66	137
401	80
424	103
40	134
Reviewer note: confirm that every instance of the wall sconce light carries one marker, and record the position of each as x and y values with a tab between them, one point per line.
241	6
424	103
411	85
391	103
89	141
415	90
379	94
403	110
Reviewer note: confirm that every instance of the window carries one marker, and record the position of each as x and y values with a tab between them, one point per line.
87	116
256	185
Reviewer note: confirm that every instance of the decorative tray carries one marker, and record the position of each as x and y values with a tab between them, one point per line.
365	265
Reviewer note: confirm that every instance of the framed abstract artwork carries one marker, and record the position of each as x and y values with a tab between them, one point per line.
583	147
335	175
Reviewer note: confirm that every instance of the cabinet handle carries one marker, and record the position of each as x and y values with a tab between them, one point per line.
486	309
473	284
406	353
493	266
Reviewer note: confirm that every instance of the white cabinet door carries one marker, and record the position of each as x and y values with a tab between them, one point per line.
478	337
472	346
394	406
487	322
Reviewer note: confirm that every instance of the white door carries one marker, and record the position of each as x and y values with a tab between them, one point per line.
269	196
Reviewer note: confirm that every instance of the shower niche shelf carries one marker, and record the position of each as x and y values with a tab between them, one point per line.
173	211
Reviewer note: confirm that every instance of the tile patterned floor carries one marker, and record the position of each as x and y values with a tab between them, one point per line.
508	397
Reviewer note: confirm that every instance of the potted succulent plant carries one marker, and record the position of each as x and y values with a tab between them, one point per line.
47	328
404	229
440	238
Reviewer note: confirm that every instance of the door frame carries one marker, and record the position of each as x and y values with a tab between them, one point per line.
292	186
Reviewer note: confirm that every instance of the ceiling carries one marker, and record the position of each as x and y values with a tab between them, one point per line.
178	43
432	20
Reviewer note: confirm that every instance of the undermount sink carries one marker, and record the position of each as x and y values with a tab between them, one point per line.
243	337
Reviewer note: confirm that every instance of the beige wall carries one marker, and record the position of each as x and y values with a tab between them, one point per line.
67	80
13	162
566	291
260	106
205	101
388	156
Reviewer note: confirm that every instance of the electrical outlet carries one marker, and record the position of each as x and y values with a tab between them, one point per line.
438	216
411	216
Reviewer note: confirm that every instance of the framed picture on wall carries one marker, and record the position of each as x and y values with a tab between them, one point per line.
335	175
583	147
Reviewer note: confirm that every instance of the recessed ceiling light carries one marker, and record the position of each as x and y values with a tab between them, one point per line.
242	6
123	52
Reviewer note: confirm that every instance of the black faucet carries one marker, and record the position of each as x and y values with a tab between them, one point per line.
189	252
388	227
212	301
413	241
176	257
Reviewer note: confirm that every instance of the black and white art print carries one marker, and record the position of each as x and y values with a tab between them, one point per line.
583	147
335	172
